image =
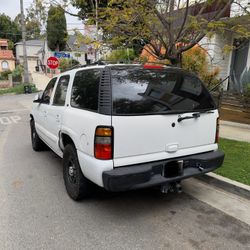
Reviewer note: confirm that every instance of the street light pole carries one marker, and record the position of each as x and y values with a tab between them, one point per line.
25	62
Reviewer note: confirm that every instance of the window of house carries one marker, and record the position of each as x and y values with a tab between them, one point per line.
5	65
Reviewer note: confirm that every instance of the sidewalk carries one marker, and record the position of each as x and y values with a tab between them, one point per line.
40	80
235	131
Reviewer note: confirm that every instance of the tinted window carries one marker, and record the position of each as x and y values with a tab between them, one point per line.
61	91
85	89
48	91
149	91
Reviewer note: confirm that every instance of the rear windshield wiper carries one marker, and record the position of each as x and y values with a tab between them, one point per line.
193	116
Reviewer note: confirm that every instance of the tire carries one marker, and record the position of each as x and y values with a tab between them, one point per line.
37	143
78	187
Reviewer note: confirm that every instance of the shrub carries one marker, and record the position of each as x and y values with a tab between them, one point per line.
195	60
17	73
121	55
66	64
4	74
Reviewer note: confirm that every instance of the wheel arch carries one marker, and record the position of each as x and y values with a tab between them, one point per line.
64	140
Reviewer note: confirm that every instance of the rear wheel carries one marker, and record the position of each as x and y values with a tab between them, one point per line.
37	143
77	186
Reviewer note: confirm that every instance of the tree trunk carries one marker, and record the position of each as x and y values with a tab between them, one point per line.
176	60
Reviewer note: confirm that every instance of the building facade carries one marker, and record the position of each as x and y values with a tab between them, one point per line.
234	65
7	59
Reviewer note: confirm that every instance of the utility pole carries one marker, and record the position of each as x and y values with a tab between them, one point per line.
25	62
96	24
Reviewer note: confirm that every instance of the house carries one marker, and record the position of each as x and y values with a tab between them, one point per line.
7	59
32	49
38	52
234	65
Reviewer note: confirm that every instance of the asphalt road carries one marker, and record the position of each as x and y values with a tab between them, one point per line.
36	212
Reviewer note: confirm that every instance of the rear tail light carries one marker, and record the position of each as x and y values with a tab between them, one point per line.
217	130
103	143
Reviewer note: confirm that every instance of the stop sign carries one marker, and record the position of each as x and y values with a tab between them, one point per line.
52	62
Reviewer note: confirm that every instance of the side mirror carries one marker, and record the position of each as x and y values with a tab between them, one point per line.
38	98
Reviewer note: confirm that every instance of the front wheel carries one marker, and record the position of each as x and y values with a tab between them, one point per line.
78	187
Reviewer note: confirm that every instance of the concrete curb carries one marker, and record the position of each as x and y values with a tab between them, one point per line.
226	184
235	124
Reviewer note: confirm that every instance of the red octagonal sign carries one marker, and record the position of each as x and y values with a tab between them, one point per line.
52	62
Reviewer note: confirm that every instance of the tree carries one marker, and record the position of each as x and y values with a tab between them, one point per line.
33	30
170	27
36	18
86	8
56	28
9	29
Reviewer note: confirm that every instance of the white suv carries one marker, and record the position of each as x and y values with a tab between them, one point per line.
126	127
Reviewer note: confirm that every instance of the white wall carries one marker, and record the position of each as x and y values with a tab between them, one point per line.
248	58
31	50
236	10
217	57
32	55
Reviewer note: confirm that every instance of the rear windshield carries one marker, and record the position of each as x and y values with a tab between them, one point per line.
136	90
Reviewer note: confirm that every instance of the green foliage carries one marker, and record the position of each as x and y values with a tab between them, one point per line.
174	26
236	164
56	28
4	74
121	55
66	64
36	19
33	29
87	8
18	89
9	29
17	73
10	45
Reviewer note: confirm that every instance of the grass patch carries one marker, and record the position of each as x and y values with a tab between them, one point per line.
18	89
236	165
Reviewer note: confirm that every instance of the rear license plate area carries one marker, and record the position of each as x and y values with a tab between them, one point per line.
172	169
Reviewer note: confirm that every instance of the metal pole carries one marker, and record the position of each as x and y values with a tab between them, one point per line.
25	62
96	23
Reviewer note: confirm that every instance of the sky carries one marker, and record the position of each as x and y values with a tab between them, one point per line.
12	8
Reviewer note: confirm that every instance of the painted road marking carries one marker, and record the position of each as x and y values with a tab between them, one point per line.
5	120
13	111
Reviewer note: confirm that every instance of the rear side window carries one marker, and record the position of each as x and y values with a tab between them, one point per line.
61	91
48	91
85	89
136	90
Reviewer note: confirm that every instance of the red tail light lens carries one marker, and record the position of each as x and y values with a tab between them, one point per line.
103	143
217	130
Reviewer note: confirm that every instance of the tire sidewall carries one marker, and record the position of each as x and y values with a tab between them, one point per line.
80	189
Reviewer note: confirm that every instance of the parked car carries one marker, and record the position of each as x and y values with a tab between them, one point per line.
127	127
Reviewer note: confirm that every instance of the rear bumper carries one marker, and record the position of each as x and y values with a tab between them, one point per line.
152	174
